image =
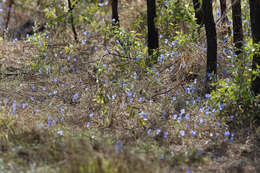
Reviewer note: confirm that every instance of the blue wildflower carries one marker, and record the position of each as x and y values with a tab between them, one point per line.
165	134
149	131
118	145
14	107
187	90
179	119
114	97
226	134
24	105
217	135
187	116
33	88
143	115
158	131
182	132
220	107
75	97
162	156
60	132
192	133
207	96
231	138
61	110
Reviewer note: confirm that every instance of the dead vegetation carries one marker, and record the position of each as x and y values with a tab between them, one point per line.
63	110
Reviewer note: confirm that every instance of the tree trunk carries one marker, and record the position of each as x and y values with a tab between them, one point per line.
223	8
115	17
9	8
72	20
153	39
237	25
198	12
255	28
211	35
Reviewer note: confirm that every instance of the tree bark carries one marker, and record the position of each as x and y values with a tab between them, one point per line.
115	17
255	28
9	9
223	8
237	26
198	12
153	39
224	17
72	21
211	35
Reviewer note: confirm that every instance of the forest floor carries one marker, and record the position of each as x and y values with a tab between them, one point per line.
79	109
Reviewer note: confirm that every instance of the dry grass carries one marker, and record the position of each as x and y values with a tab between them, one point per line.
31	139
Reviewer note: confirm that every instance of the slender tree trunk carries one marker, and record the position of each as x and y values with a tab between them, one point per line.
198	12
224	17
237	25
72	21
9	9
255	28
211	35
153	39
223	8
115	17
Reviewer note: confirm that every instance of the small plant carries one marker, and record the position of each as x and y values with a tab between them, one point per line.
233	94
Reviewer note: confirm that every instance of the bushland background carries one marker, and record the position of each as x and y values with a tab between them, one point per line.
91	104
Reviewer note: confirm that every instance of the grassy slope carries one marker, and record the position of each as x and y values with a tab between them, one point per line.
59	134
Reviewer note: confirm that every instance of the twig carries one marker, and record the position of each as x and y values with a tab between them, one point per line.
72	21
9	13
165	92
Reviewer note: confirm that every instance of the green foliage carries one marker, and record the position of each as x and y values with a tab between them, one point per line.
6	128
234	92
76	118
175	17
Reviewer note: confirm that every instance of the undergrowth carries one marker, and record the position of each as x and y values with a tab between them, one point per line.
94	106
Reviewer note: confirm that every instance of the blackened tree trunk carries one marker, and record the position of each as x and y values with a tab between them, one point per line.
198	12
255	28
223	8
211	35
153	39
115	17
72	20
9	8
237	26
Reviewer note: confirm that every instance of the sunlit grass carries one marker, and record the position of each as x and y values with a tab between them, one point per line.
94	106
